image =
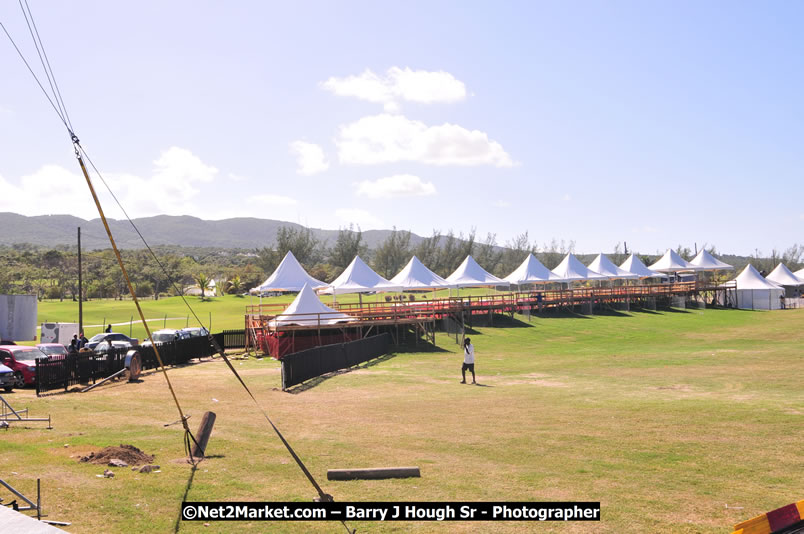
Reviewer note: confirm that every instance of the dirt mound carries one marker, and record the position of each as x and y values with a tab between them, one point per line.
128	453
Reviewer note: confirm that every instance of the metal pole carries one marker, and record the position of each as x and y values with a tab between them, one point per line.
80	288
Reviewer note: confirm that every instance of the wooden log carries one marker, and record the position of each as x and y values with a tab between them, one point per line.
373	473
202	436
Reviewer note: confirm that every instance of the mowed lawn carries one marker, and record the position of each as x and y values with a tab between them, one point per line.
675	421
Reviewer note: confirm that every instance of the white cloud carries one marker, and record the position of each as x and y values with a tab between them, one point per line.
172	189
399	185
309	157
502	204
361	218
51	189
236	177
272	200
398	84
567	197
392	138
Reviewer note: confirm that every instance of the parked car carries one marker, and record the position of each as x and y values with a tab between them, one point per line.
166	335
52	349
21	360
110	336
195	331
7	378
106	344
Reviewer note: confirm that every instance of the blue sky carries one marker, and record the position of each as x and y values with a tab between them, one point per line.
653	123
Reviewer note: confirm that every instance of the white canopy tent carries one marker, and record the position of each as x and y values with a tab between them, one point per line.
602	265
782	276
359	278
800	273
307	309
415	275
471	274
634	265
571	269
289	276
671	262
706	262
531	271
755	292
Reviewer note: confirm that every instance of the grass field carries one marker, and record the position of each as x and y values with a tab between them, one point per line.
675	421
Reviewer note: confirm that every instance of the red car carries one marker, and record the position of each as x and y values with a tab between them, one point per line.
21	360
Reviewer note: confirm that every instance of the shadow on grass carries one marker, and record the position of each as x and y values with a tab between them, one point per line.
189	485
559	314
500	321
645	311
675	310
611	312
313	382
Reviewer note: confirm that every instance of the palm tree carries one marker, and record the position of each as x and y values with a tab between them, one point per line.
234	285
203	283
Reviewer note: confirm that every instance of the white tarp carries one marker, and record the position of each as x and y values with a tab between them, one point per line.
755	292
531	271
359	278
800	273
634	265
307	309
415	275
706	262
289	276
471	274
571	269
602	265
671	262
18	317
784	277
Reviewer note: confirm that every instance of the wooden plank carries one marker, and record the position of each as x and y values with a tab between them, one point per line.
202	436
373	473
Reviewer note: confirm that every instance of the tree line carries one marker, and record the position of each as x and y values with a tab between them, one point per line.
53	273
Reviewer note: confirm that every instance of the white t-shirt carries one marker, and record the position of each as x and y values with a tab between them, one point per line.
469	354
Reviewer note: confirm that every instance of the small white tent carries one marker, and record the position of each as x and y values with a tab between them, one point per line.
571	269
634	265
756	293
289	276
706	262
307	309
782	276
415	275
800	273
359	278
531	271
471	274
671	262
602	265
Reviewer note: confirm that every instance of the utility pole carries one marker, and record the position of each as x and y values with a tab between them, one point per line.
80	288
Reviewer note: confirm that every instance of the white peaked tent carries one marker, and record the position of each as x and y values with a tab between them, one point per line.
471	274
634	265
290	276
307	309
706	262
571	269
415	275
756	293
782	276
359	278
800	273
671	262
531	271
602	265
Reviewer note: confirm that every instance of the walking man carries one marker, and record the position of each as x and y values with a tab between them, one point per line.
468	360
